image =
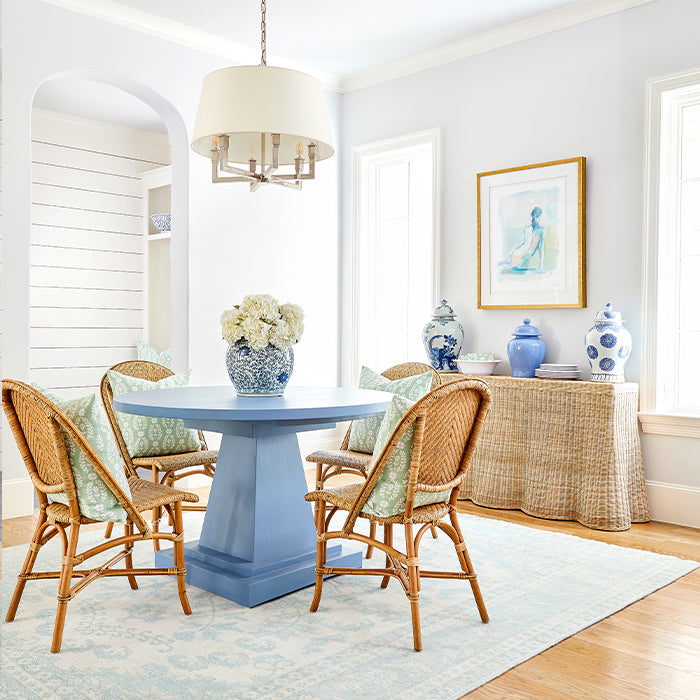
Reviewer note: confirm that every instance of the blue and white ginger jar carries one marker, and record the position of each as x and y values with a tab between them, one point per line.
263	372
608	346
443	336
525	350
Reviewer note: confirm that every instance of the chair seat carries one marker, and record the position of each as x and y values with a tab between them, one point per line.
145	495
180	461
342	458
344	496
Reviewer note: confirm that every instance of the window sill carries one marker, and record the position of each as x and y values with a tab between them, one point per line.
664	424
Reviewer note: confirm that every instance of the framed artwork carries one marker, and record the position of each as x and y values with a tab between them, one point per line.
532	236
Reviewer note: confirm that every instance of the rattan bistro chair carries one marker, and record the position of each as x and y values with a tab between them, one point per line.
331	463
38	428
165	469
447	423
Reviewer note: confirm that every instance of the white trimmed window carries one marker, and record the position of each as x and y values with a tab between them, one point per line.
395	249
671	362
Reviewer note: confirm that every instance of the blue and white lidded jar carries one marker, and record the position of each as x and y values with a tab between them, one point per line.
526	350
443	336
608	346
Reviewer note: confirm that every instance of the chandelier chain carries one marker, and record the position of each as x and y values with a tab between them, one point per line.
263	35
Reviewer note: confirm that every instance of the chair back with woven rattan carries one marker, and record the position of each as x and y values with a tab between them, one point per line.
141	369
410	369
40	430
401	371
447	422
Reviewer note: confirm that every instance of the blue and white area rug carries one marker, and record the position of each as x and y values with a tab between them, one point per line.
539	588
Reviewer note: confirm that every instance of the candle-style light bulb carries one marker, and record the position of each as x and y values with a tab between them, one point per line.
300	149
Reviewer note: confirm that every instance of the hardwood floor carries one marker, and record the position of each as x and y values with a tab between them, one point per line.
649	650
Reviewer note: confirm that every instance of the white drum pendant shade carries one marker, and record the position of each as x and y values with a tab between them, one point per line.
244	101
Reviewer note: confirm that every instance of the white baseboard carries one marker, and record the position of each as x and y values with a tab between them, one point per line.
17	498
674	503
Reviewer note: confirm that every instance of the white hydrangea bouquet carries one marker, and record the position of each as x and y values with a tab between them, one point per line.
260	320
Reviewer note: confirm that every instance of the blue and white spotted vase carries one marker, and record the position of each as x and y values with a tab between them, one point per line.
608	346
259	372
443	336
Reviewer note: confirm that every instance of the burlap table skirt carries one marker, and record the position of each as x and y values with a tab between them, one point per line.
565	450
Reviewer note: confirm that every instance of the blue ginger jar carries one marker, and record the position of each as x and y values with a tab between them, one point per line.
443	336
608	346
525	350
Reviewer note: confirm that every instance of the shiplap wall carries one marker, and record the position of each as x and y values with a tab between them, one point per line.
87	262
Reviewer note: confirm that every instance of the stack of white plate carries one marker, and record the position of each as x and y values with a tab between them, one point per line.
551	371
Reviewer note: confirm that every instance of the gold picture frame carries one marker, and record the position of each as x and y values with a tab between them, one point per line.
531	236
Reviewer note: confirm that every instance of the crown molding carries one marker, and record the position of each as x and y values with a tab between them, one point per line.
47	116
182	34
146	23
530	28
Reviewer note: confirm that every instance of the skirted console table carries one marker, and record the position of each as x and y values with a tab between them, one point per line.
565	450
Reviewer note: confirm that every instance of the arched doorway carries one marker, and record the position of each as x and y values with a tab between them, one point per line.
105	156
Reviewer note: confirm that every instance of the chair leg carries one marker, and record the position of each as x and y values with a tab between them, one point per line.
320	554
128	560
108	530
170	481
388	540
467	567
64	588
155	519
318	487
433	530
413	587
27	567
179	557
373	535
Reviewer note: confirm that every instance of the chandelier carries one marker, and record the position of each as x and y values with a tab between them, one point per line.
261	124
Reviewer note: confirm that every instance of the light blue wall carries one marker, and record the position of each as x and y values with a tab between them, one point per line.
575	92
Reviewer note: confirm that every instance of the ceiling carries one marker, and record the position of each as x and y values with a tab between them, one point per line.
346	44
345	37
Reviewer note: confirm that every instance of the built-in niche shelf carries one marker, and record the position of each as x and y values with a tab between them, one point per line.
157	268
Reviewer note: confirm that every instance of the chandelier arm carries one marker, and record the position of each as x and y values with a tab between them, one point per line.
239	171
285	183
219	178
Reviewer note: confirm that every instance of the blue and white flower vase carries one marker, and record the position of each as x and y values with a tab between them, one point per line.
443	336
263	372
608	346
526	350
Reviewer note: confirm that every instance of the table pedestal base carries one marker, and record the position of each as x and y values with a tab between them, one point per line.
251	583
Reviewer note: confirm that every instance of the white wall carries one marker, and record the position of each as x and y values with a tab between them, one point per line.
86	297
576	92
276	240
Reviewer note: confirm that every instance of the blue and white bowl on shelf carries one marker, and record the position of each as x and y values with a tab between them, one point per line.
608	346
161	222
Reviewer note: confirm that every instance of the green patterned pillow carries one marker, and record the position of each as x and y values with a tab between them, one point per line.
363	434
94	497
388	496
151	436
146	352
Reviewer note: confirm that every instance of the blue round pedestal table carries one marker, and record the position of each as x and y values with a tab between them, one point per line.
258	540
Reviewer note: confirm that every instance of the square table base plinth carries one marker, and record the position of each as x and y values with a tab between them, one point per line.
252	583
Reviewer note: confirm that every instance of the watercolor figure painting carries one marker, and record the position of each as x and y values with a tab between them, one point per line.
531	236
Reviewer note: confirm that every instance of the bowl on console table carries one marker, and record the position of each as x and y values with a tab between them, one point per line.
482	367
